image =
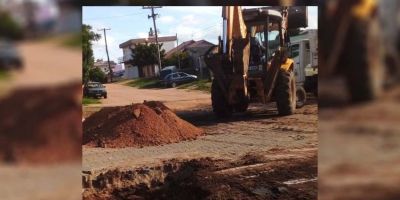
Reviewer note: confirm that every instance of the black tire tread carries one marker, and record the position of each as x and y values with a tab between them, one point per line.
284	93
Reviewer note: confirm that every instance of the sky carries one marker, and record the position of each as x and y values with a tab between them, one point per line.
129	22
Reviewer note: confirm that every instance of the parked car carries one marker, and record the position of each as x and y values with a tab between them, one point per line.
167	70
118	74
95	89
9	56
177	78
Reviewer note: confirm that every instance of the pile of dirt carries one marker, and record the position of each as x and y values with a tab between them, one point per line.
136	125
41	125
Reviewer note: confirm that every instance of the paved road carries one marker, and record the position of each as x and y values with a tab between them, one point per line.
285	142
41	182
259	130
359	151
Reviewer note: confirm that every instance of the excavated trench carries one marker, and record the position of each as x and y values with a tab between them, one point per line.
206	178
161	182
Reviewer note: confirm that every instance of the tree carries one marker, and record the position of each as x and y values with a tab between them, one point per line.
88	36
177	59
145	54
97	75
9	28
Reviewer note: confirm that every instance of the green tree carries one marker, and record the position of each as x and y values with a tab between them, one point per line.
145	54
9	28
97	75
88	36
177	59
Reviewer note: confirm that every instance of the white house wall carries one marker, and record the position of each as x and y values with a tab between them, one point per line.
167	46
131	72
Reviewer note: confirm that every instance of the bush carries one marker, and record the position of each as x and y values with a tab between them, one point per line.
9	28
95	74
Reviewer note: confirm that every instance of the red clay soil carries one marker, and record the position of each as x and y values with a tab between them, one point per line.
136	125
41	125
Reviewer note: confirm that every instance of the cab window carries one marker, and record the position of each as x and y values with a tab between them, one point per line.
273	37
294	50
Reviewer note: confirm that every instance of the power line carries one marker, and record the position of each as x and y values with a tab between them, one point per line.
206	30
116	16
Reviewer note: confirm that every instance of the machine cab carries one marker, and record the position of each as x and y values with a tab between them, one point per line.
264	27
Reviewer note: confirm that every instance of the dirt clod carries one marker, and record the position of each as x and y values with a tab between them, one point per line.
136	113
136	125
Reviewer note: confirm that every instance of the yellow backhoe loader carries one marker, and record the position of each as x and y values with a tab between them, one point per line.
251	63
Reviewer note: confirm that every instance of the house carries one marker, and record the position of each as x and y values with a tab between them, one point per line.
69	12
168	43
103	65
39	17
180	48
196	51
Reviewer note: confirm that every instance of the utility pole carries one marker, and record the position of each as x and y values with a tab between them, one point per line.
108	58
153	15
179	60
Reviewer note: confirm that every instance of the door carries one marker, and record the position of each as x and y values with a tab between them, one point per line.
175	78
296	55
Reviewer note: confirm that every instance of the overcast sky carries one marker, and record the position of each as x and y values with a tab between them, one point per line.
132	22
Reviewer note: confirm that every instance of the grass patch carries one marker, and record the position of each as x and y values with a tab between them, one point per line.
203	85
87	101
4	75
143	83
73	40
70	40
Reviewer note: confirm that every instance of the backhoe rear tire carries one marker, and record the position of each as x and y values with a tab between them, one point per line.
286	92
220	105
241	107
365	74
301	97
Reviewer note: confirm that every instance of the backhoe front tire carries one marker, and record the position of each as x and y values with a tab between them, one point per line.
286	92
220	105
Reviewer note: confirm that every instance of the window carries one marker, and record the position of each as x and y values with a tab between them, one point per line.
257	45
273	42
94	85
260	37
294	50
